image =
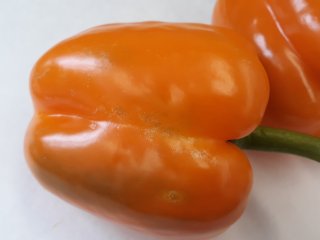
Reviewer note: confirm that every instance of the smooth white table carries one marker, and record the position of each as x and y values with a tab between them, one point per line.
285	201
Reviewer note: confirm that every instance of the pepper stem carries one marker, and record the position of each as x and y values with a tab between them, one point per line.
279	140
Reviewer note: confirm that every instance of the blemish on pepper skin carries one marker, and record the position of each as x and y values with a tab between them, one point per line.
93	126
173	196
150	119
101	109
118	112
201	158
150	133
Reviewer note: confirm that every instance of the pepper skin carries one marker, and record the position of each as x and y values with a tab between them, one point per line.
286	35
132	123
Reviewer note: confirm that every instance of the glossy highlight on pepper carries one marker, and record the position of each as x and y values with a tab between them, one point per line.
286	35
132	122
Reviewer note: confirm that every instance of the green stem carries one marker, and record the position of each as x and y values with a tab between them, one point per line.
279	140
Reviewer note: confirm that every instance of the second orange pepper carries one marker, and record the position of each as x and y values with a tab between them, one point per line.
286	35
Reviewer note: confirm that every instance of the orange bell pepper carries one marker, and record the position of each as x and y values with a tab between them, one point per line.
132	123
286	35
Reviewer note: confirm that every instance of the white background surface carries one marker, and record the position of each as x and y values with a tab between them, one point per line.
285	201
